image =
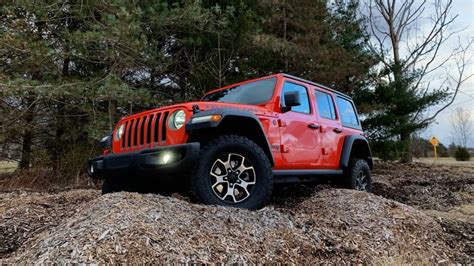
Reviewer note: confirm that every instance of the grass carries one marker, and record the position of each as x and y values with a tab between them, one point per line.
462	213
8	166
449	161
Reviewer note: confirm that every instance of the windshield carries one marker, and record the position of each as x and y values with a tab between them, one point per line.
250	93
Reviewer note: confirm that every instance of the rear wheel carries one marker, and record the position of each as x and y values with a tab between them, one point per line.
358	176
233	171
109	187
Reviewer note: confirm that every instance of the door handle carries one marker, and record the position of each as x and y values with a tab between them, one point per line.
337	130
313	126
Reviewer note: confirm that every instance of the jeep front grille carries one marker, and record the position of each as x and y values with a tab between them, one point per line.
142	132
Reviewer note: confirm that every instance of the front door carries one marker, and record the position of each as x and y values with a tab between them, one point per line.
299	136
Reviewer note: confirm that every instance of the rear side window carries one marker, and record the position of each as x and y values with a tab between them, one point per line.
325	105
304	107
347	112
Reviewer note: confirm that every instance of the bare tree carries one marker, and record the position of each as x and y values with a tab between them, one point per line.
461	126
404	49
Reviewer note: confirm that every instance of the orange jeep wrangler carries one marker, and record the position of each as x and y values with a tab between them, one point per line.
239	140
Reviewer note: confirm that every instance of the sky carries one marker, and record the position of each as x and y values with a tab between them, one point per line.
463	27
465	99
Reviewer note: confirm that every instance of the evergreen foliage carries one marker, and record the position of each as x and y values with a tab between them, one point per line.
462	154
70	69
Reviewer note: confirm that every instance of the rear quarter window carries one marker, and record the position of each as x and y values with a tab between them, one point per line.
347	113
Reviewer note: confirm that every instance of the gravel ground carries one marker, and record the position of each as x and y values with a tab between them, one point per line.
302	225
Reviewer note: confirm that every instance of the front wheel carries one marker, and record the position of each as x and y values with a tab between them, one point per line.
232	171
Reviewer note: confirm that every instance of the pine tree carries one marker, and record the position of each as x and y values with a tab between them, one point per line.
70	69
315	40
402	92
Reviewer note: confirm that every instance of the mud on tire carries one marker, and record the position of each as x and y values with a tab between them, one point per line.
233	171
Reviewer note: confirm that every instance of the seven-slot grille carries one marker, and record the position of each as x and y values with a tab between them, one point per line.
143	131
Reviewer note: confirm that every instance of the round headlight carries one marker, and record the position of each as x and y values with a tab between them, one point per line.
119	132
177	119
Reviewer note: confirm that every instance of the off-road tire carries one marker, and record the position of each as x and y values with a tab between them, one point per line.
200	178
110	187
356	167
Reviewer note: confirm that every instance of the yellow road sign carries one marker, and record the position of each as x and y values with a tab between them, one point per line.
434	141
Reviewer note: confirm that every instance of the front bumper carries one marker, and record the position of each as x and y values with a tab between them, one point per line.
163	160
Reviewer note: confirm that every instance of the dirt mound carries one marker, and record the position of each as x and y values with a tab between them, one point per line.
444	192
25	214
333	226
429	187
371	228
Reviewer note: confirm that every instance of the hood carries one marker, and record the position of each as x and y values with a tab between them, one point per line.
256	109
188	106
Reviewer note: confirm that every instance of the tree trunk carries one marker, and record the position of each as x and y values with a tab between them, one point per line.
112	113
285	37
60	124
407	153
152	79
57	149
27	133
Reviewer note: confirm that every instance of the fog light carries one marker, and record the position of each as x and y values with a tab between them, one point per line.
166	158
162	158
92	168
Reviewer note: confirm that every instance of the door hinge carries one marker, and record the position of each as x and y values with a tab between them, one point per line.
281	123
324	151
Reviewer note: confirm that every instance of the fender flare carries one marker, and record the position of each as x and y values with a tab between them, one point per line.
347	150
227	113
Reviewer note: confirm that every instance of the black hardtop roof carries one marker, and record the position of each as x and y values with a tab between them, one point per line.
318	85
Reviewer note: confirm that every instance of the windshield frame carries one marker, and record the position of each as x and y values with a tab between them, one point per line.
270	98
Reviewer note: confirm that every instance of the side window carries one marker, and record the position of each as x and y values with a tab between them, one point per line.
325	105
347	112
304	107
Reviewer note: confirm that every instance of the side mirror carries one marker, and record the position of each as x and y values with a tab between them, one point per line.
292	98
106	142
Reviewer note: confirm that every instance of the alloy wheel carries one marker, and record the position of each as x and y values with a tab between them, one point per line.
232	178
361	181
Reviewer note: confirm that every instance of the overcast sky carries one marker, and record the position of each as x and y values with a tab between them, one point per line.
464	9
465	99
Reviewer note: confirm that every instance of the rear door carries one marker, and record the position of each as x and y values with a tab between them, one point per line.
299	141
330	129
